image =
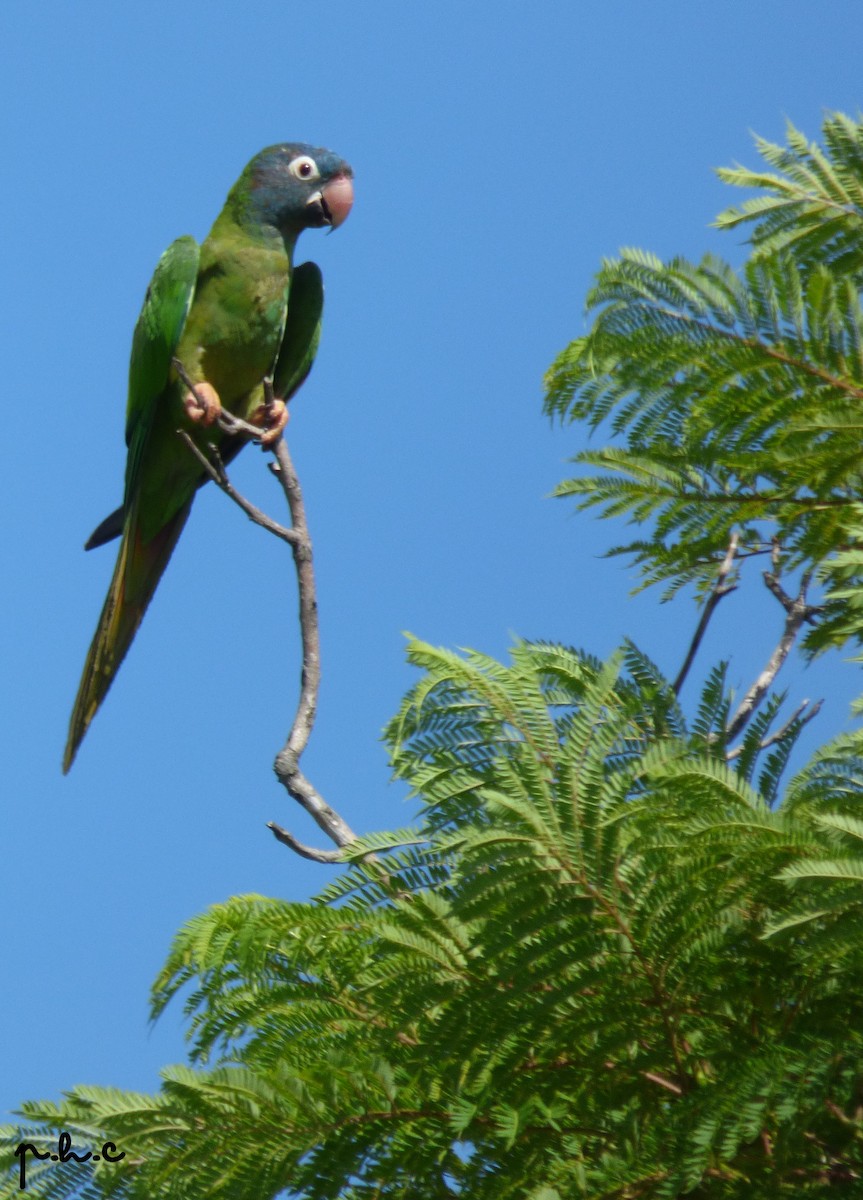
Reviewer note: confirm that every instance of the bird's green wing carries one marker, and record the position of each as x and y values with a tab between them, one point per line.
157	332
302	330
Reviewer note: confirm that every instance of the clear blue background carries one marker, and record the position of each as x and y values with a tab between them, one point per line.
500	150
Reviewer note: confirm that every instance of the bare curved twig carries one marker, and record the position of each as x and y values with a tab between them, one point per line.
287	762
288	839
720	588
215	468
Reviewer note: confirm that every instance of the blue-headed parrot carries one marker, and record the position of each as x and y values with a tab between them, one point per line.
231	312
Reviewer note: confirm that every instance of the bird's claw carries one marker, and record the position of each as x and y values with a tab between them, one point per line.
202	404
273	416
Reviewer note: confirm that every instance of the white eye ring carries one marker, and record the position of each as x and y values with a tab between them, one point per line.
304	168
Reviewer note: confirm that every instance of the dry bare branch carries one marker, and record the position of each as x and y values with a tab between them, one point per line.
215	468
797	612
287	762
288	839
800	715
720	588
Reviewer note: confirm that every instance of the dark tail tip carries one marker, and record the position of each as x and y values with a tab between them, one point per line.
107	530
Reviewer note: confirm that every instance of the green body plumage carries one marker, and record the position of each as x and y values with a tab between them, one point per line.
232	312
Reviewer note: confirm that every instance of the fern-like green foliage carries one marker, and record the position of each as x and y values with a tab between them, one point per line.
575	976
735	398
620	955
811	203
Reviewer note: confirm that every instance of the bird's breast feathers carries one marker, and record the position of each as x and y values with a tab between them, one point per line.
235	327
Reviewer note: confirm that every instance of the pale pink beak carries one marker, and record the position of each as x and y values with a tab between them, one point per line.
338	198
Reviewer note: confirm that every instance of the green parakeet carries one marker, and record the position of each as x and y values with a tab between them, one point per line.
231	311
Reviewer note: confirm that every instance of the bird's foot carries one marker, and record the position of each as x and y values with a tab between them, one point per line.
273	417
202	404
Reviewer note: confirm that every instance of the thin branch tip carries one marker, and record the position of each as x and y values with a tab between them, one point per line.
304	851
720	589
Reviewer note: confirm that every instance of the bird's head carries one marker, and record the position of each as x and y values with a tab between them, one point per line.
294	186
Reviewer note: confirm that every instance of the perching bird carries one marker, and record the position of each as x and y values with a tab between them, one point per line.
231	312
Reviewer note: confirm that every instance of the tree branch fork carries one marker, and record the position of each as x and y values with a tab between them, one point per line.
798	611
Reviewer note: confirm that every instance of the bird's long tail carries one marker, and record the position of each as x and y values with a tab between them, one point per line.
139	568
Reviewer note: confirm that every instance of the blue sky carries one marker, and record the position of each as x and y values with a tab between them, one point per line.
500	151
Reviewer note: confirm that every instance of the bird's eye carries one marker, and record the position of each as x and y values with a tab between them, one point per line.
304	167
